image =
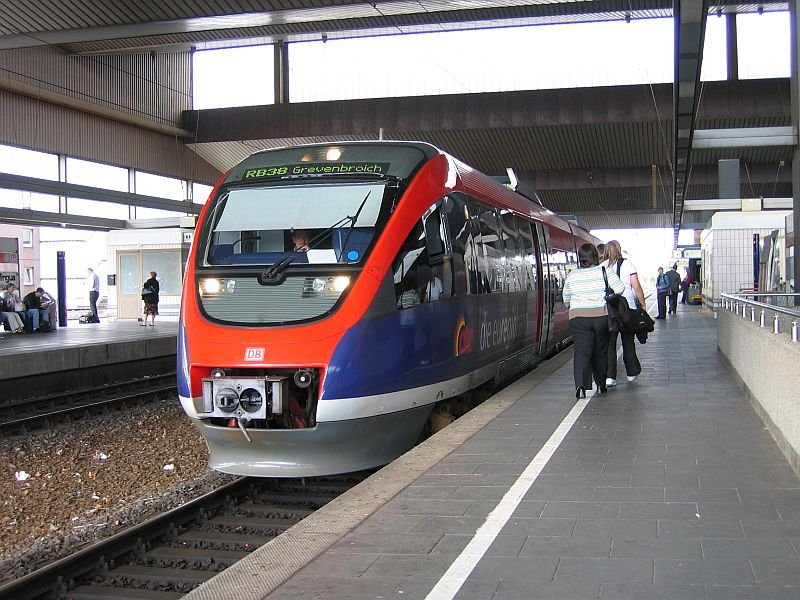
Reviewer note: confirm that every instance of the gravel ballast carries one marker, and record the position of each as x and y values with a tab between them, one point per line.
81	481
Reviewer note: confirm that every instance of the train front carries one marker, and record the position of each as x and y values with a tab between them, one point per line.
278	274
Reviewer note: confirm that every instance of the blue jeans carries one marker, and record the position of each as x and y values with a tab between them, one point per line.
34	316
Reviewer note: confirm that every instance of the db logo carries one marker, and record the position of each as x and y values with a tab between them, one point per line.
253	354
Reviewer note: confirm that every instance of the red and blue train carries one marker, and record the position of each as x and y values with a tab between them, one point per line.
419	279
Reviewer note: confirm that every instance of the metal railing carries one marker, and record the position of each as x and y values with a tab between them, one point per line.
756	310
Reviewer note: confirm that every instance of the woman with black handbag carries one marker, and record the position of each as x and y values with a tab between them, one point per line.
585	294
626	271
150	291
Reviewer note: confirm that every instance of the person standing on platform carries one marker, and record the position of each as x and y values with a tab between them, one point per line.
93	283
585	294
633	293
662	289
685	286
49	304
674	287
150	291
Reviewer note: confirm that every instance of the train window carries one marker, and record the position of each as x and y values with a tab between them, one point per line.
410	261
530	265
491	245
257	225
559	268
434	239
460	236
437	278
514	272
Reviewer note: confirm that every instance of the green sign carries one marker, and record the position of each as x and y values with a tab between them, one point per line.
317	169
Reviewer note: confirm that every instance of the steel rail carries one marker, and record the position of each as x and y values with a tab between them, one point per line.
49	578
23	424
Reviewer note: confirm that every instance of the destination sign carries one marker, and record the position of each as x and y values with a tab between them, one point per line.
316	169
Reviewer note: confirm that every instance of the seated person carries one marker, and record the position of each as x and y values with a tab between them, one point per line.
34	310
14	304
8	317
300	240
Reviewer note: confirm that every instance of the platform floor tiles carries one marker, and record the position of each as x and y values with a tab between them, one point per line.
666	488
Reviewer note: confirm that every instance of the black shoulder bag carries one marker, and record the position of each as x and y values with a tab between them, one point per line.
617	305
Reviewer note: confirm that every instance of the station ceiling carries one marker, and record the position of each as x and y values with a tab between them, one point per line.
604	154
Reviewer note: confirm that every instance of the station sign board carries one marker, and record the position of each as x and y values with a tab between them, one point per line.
687	252
9	277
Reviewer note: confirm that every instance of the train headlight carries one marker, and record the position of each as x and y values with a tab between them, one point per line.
318	285
226	400
251	400
333	154
339	284
210	286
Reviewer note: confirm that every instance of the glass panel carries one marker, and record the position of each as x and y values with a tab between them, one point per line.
763	45
96	208
530	257
84	172
148	184
128	279
167	265
260	225
41	202
29	163
201	192
460	240
436	280
715	50
155	213
212	72
489	60
489	240
410	260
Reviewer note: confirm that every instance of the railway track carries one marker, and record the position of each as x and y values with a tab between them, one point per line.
171	554
21	416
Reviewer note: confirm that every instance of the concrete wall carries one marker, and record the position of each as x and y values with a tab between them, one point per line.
769	367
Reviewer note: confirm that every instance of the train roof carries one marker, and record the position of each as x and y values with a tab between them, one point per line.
312	159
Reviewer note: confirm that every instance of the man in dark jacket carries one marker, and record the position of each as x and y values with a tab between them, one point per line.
662	290
37	314
674	287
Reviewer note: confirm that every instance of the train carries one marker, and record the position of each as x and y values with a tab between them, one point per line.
419	281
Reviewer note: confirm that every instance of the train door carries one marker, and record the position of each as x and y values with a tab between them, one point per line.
542	241
129	285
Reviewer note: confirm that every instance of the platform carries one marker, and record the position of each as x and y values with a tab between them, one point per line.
669	487
84	346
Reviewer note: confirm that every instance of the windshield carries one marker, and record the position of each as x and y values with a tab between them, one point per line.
295	224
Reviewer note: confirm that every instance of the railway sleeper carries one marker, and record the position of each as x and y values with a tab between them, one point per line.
156	578
221	540
276	511
110	593
194	556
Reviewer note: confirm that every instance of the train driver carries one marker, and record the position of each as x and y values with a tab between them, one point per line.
300	240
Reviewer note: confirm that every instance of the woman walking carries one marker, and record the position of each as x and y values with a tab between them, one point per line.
585	294
150	297
633	293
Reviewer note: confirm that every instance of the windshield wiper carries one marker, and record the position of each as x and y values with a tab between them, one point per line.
280	266
353	221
